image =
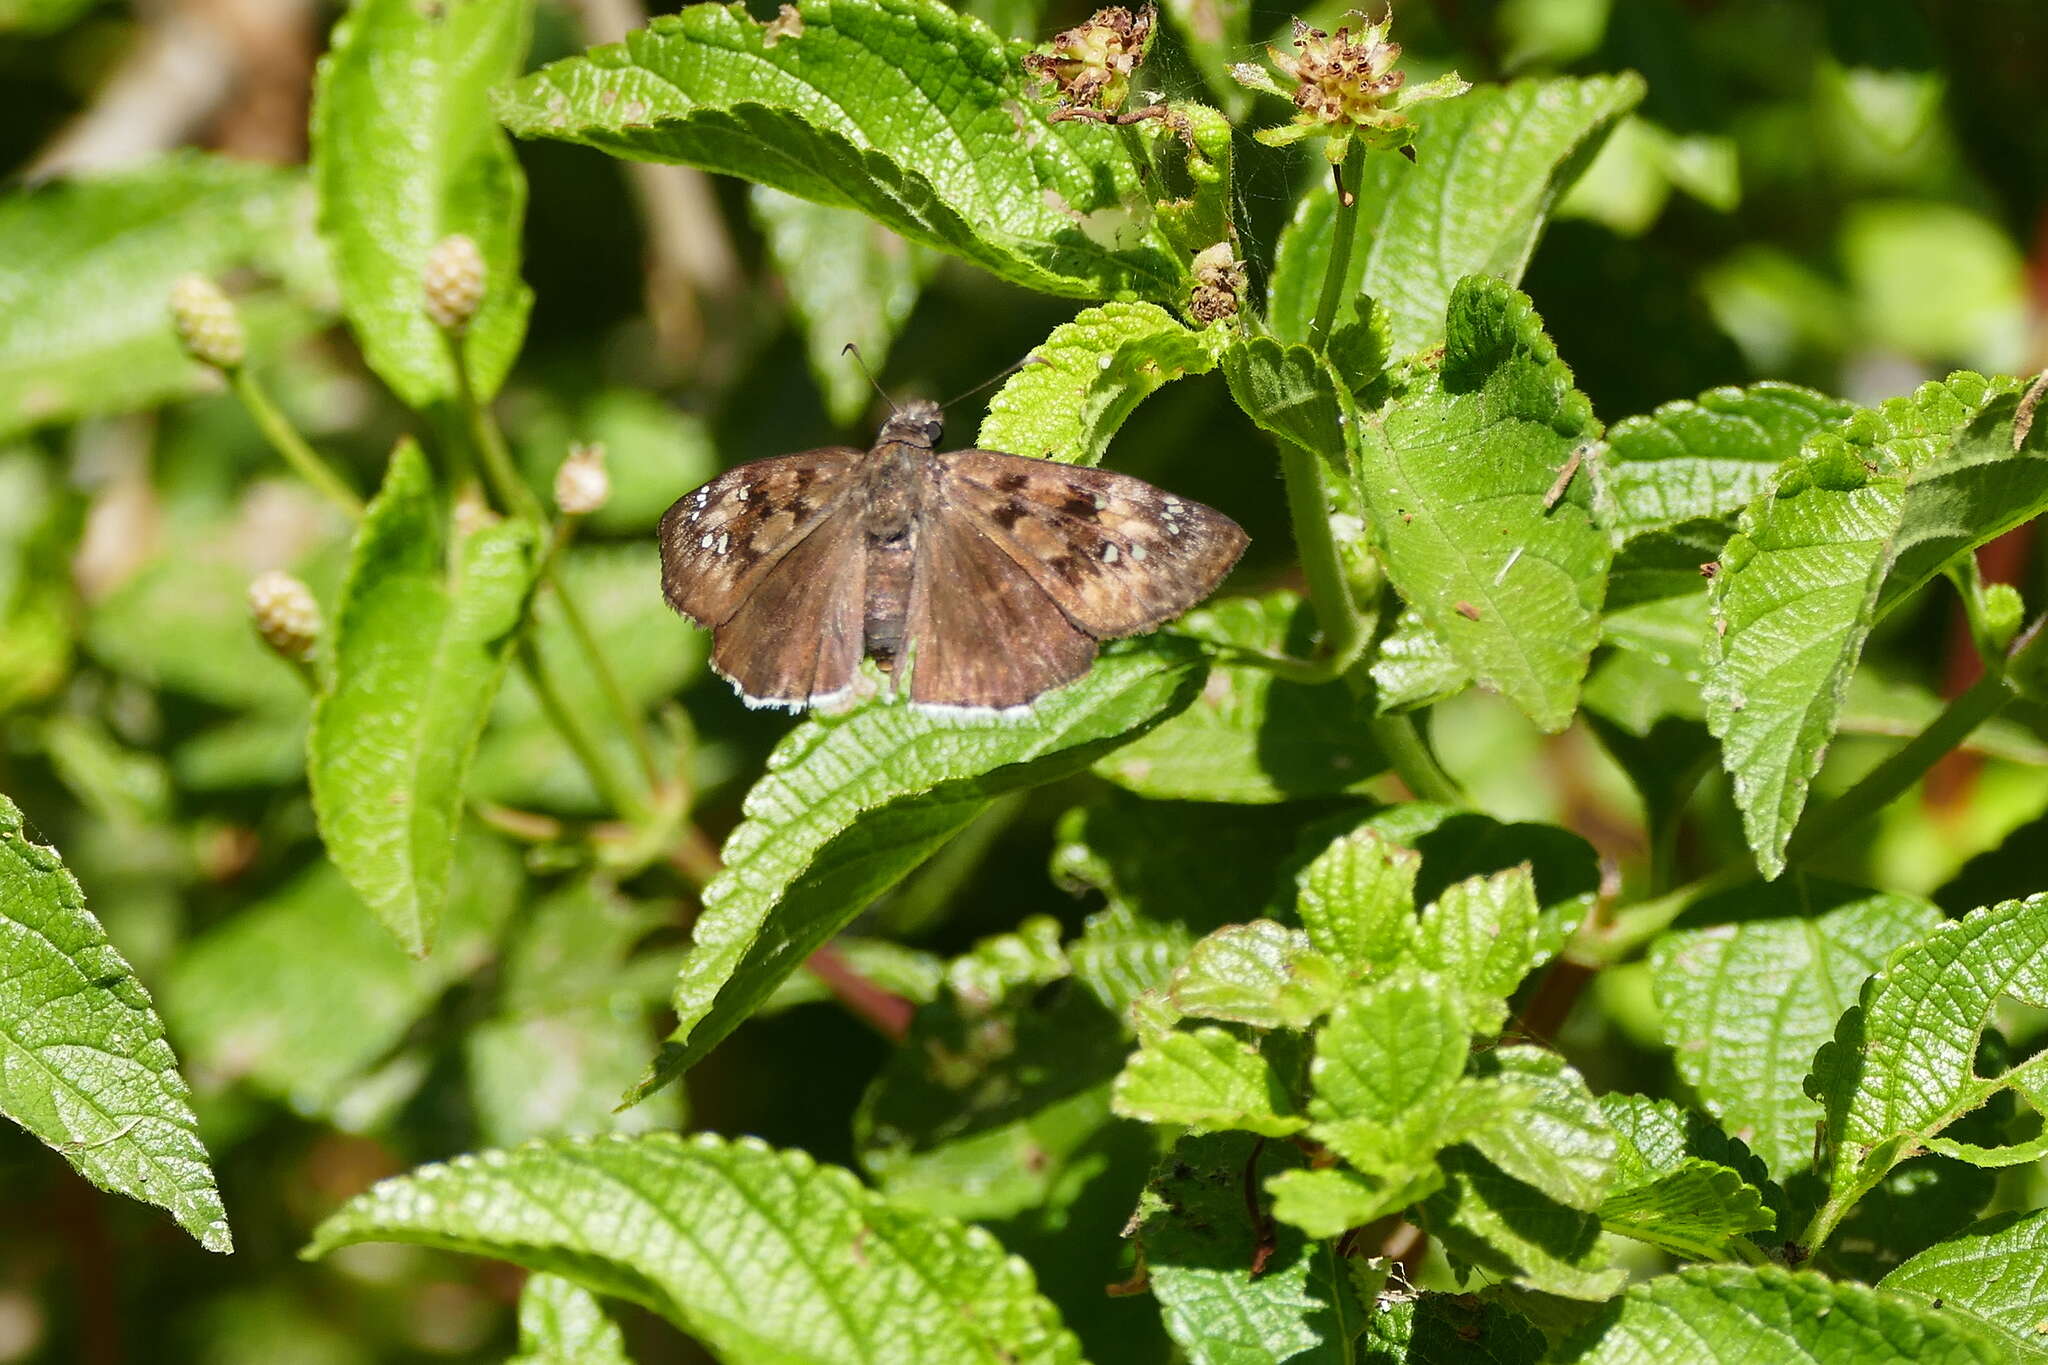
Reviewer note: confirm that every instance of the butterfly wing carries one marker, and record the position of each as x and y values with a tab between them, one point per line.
980	631
796	638
719	542
1118	555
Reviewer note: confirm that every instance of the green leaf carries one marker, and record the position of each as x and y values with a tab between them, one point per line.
86	269
1722	1315
902	109
994	1104
1657	1138
1292	392
1506	1229
562	1323
1201	1251
851	283
1088	376
416	662
1547	1131
1481	934
652	452
84	1065
404	75
1356	898
1450	1329
181	623
1412	667
852	803
739	1245
1695	1211
1993	1272
1251	737
39	16
1488	167
1706	458
1458	473
1327	1203
1457	844
1206	1079
1746	1005
1902	1064
302	993
39	525
1864	516
1263	974
1386	1063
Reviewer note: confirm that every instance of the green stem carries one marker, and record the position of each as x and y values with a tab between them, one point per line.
1664	832
511	491
286	441
1401	743
609	784
628	715
1632	926
1883	784
1344	227
1322	563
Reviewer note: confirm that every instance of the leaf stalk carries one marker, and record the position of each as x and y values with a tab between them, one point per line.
284	438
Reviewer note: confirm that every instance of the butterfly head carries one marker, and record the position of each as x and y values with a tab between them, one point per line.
917	423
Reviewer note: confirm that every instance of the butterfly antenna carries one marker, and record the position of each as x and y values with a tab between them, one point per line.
850	349
997	378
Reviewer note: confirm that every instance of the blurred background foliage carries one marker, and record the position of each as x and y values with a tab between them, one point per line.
1849	195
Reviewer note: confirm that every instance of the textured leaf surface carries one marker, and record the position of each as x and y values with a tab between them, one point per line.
1708	457
1997	1271
1746	1005
416	662
1250	737
1681	1183
851	283
418	77
84	1065
1206	1078
1262	973
1730	1316
1902	1064
735	1243
1509	1230
1488	167
1866	514
1200	1241
562	1323
852	803
1457	474
1550	1133
902	109
1450	1329
1087	376
1386	1063
86	269
1356	898
1482	934
302	993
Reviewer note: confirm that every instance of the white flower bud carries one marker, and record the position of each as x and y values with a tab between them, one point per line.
453	282
208	326
582	485
287	616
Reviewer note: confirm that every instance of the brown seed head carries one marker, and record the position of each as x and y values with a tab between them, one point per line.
1090	65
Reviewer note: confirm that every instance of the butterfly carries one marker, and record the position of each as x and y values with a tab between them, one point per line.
987	578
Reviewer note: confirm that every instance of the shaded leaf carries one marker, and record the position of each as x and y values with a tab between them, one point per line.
1450	1329
1506	1229
84	1065
734	1242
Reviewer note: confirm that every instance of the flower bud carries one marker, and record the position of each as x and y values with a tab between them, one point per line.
286	615
208	326
453	282
1345	87
1090	65
582	485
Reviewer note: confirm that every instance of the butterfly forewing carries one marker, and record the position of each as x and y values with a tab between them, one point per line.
981	632
721	541
796	639
1117	555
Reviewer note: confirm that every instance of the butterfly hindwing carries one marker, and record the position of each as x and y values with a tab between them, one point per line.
719	542
980	631
1117	555
796	639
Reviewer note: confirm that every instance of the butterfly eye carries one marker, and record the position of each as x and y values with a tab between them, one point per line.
933	430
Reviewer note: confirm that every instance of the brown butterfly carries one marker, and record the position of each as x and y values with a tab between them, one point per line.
990	576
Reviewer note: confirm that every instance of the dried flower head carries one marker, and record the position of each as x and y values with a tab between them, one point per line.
286	615
1345	87
1219	285
1090	65
207	324
582	484
453	282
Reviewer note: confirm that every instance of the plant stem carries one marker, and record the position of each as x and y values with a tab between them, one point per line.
1343	627
608	680
1880	786
286	441
1401	743
1634	925
608	783
1344	227
510	490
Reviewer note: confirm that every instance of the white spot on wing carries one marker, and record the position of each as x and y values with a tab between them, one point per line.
1137	554
1109	554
